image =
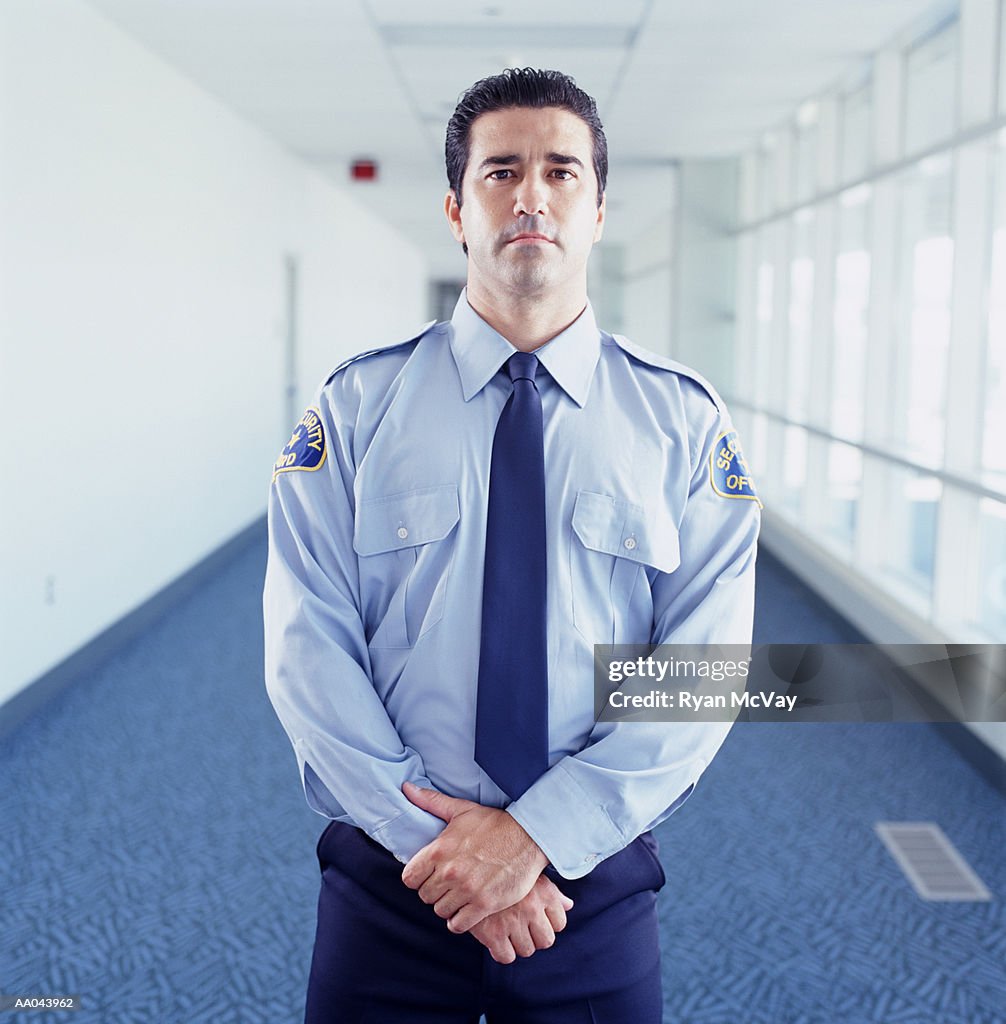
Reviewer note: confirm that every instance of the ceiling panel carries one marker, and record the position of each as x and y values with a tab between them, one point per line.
334	79
512	12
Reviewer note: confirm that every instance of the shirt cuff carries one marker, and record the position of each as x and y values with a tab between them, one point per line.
572	829
407	834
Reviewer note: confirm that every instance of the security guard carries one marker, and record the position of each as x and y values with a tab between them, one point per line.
455	522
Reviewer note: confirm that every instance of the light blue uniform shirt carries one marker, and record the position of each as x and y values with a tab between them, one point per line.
373	595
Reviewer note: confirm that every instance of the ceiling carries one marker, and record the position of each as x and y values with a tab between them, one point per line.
333	80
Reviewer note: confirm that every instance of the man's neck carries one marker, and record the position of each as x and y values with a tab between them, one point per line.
527	322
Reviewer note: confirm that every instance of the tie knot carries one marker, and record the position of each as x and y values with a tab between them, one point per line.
522	366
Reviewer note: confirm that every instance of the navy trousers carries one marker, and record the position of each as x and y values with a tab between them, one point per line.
382	956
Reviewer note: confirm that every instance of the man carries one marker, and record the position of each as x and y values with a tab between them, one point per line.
454	524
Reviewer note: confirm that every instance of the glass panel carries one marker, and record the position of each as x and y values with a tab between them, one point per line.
794	470
801	309
851	313
766	180
764	306
806	161
857	113
913	499
926	255
844	485
931	89
992	605
1002	55
993	443
754	445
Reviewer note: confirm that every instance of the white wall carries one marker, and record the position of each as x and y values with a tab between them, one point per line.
143	229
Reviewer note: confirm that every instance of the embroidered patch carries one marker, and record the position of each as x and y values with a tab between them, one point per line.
728	469
306	448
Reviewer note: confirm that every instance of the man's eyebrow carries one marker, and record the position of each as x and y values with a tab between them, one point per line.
562	158
513	158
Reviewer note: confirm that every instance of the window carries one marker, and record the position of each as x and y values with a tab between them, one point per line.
992	563
805	152
912	501
794	470
926	254
994	427
844	482
850	313
764	310
801	310
855	127
931	89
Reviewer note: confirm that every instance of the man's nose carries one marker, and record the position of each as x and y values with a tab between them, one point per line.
531	197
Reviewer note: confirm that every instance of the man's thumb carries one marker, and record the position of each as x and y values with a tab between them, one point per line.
440	804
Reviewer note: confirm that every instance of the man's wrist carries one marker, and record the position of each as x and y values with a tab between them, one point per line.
539	861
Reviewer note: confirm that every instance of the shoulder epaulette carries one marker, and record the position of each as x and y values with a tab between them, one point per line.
644	355
380	348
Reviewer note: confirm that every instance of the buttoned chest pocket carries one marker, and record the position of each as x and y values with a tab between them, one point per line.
612	541
405	543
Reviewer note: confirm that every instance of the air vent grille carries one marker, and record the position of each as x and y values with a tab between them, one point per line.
930	861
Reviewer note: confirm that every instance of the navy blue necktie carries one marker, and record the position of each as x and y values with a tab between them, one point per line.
511	723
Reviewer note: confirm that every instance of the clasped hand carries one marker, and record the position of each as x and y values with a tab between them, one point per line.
483	874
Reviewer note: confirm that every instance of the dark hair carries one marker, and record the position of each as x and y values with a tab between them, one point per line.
521	87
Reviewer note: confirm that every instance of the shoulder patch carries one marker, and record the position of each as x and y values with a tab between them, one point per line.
728	469
306	448
644	355
381	348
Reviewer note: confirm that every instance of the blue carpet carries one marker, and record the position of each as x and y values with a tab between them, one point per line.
157	855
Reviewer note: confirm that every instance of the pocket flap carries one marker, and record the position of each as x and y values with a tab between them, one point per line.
620	528
405	519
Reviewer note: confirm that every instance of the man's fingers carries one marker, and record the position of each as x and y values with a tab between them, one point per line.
556	917
542	932
433	889
440	804
417	871
523	944
503	952
466	918
447	906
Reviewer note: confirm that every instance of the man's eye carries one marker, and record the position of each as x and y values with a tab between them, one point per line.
563	170
504	170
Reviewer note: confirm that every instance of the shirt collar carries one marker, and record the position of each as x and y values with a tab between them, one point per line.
479	351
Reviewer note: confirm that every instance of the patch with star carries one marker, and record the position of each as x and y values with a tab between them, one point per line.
306	448
728	469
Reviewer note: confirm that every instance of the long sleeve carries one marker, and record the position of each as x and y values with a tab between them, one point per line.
352	760
630	776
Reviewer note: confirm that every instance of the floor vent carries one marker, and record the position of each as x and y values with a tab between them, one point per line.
930	861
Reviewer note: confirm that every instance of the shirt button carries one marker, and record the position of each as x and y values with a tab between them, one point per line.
402	533
630	543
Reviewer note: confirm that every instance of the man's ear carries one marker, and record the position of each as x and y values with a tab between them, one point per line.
452	210
599	226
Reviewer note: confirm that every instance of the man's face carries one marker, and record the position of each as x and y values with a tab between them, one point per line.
529	173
